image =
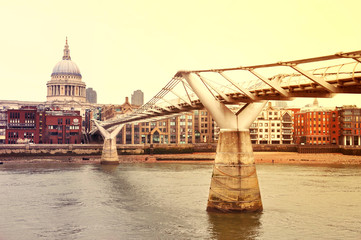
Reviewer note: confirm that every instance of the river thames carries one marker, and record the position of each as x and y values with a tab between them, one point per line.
168	201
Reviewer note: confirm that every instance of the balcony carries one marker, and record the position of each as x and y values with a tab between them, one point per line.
22	125
287	126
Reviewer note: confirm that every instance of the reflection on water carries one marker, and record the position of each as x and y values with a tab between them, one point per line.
235	225
168	201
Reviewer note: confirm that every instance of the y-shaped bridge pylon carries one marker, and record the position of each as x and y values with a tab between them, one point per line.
110	153
234	185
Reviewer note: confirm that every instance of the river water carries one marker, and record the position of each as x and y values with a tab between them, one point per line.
168	201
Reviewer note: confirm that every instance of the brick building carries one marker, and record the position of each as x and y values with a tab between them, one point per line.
316	125
112	111
335	128
313	127
62	127
31	125
22	125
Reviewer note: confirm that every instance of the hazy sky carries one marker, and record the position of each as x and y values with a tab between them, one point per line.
121	46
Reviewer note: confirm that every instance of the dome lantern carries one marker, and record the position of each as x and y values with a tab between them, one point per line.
66	50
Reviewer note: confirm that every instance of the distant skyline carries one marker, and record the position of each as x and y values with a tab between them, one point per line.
122	46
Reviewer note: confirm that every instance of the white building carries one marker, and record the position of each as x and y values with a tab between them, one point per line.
272	126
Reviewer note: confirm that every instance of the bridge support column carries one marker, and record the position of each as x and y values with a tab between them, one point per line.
234	185
109	153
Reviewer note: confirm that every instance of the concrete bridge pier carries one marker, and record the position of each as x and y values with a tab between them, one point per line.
109	153
234	184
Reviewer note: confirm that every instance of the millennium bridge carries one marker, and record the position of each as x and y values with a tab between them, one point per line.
234	97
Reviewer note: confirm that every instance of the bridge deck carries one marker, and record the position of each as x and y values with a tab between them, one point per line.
313	77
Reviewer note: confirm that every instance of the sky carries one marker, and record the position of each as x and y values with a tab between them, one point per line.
122	46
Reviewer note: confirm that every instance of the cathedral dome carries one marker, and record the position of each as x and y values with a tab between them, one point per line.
66	66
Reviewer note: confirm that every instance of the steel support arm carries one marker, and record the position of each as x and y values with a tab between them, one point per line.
315	79
223	116
243	90
272	84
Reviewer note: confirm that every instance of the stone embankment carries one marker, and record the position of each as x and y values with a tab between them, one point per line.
273	157
91	153
206	158
131	149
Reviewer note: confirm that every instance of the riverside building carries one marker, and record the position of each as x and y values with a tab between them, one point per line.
3	123
32	125
62	127
315	125
195	127
272	126
22	125
350	125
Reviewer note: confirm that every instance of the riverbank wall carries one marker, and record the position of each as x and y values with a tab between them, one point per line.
136	149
